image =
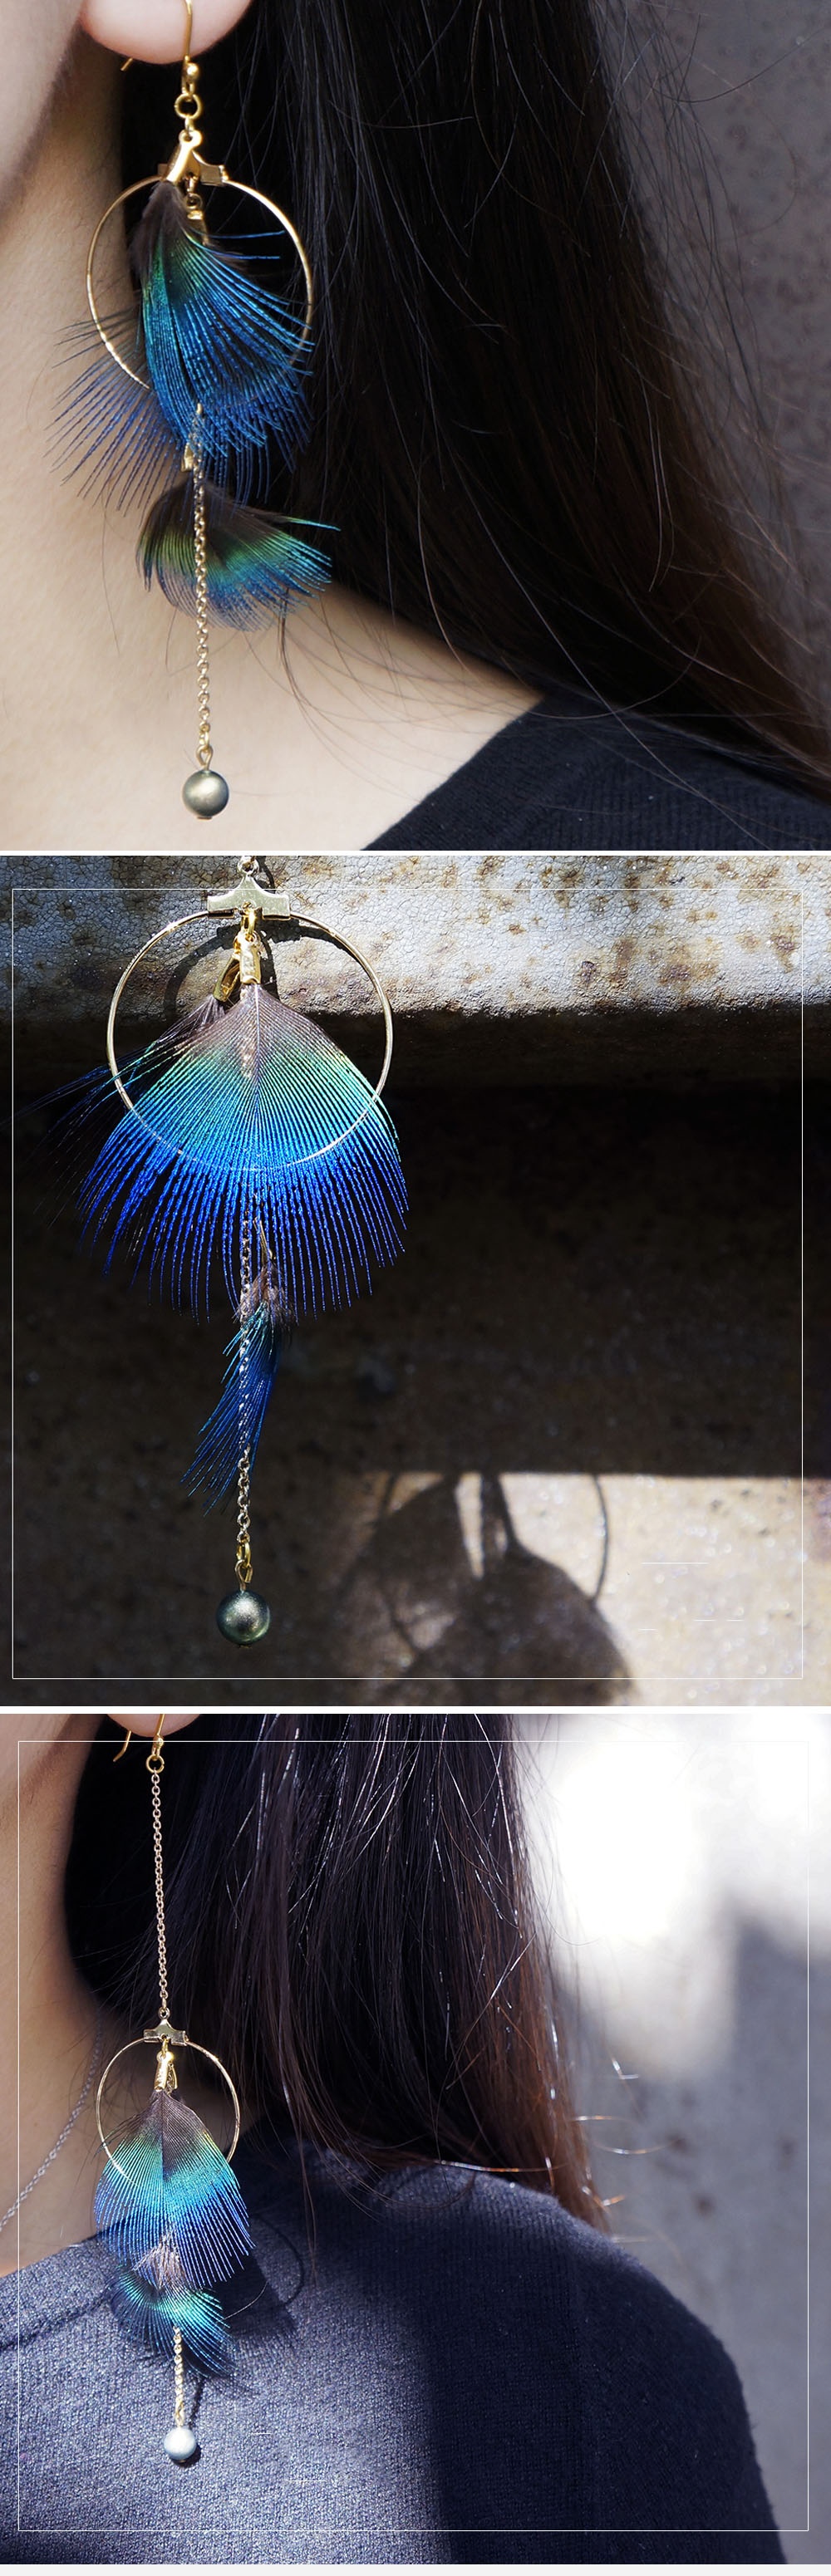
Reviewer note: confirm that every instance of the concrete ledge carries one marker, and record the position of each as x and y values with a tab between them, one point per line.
500	968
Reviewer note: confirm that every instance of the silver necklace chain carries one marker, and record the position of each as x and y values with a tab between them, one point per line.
73	2116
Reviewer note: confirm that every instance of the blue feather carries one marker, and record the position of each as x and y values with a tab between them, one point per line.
167	2197
255	565
258	1123
237	1420
152	2315
110	428
221	349
213	366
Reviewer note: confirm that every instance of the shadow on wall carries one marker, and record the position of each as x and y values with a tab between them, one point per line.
414	1600
593	1285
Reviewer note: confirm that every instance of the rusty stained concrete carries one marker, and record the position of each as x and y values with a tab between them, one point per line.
502	966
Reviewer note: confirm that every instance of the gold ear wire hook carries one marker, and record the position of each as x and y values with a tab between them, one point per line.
190	69
155	1758
156	1746
127	67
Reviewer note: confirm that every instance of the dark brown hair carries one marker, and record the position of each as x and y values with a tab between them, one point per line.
510	434
350	1928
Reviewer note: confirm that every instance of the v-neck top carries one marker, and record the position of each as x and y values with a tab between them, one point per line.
448	2369
567	776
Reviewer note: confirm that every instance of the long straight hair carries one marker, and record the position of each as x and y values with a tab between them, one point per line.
350	1927
510	434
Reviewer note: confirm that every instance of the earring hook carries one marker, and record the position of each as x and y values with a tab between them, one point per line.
155	1758
157	1743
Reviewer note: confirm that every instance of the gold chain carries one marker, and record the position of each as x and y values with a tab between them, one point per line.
156	1795
243	1561
155	1766
244	1567
179	2368
204	748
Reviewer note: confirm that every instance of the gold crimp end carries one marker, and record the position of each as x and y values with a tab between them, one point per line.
249	946
166	2079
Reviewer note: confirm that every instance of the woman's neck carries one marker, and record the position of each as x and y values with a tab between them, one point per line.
97	677
47	2014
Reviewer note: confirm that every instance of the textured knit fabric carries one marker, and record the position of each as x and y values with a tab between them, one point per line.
564	777
457	2371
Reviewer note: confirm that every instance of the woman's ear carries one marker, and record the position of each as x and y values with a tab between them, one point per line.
155	31
144	1721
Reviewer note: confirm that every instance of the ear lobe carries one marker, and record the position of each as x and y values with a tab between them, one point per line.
144	1721
154	31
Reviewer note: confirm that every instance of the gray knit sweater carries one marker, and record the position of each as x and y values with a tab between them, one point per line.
453	2370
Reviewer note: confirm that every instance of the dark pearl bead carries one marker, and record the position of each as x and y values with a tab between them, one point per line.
206	792
244	1617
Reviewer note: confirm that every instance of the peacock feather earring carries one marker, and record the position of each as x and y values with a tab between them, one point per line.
192	397
252	1143
168	2205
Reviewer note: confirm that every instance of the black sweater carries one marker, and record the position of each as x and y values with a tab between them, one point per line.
565	777
458	2372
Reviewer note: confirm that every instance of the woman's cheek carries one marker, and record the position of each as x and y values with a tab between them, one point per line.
35	45
25	1736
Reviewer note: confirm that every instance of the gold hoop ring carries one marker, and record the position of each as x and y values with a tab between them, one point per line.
299	921
193	2044
220	180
